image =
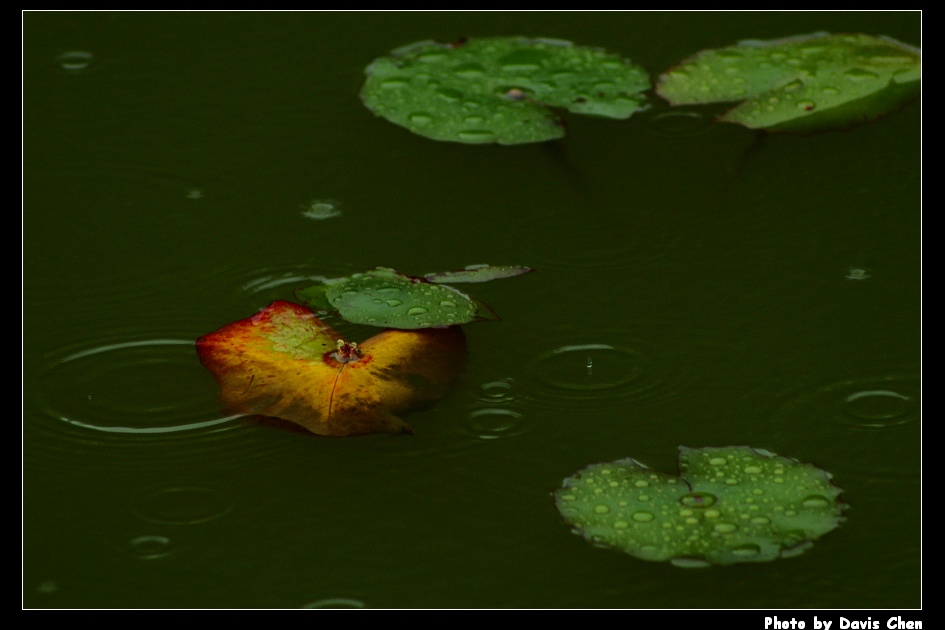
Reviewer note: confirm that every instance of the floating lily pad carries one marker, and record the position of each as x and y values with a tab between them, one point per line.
478	273
500	89
730	505
285	363
799	84
385	297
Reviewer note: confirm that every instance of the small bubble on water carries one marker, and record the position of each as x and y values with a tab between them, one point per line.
150	547
319	210
75	60
856	273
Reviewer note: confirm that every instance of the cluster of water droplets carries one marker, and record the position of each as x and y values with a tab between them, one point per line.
732	505
385	298
785	80
494	90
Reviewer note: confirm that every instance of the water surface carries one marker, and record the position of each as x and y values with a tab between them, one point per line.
693	287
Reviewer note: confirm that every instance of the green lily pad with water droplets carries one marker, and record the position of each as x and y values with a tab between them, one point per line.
729	505
385	297
799	84
500	89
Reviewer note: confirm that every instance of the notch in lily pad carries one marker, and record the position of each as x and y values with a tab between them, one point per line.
500	89
729	505
799	84
388	298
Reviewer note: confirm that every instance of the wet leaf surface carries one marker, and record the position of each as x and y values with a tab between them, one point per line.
729	505
500	89
799	84
388	298
478	273
285	363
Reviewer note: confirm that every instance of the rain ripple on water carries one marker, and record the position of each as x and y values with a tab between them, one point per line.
495	413
104	402
877	420
608	364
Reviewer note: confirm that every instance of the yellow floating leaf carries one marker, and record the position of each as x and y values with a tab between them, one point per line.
285	363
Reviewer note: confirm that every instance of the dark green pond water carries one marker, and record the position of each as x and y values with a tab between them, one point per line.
726	290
